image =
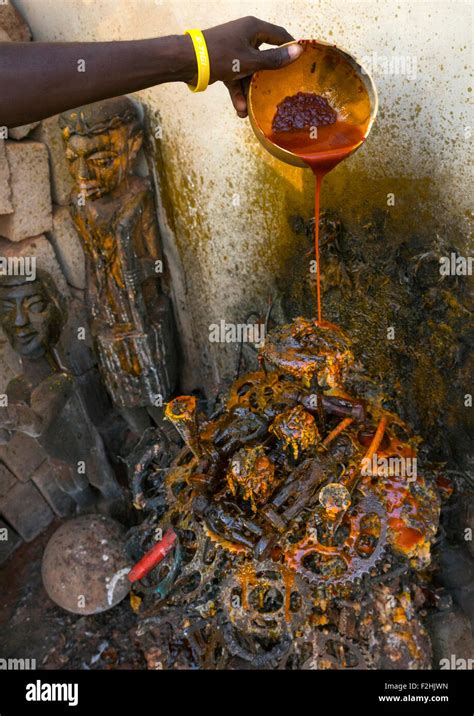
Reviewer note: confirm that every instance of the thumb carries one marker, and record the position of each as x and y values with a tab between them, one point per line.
279	56
238	97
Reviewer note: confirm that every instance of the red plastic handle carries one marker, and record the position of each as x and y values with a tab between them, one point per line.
153	556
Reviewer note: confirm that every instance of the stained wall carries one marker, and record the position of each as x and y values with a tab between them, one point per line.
230	207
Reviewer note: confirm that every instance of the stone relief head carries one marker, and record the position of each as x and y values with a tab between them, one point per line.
32	313
102	141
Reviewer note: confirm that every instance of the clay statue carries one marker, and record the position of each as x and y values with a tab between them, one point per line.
44	402
113	209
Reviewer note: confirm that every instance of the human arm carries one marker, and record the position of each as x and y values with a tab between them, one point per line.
40	79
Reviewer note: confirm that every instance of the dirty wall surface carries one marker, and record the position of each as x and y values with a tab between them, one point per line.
237	223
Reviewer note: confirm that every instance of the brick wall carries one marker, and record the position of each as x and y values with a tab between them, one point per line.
34	221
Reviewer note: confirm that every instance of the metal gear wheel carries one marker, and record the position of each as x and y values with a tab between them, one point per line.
304	555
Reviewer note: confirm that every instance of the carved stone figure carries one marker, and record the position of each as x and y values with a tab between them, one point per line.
43	402
113	209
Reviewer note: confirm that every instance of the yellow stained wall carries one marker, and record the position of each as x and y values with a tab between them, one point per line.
228	203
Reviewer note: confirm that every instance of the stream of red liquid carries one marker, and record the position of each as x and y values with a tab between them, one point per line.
334	142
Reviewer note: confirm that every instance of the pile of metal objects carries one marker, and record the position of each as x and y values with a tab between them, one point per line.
288	535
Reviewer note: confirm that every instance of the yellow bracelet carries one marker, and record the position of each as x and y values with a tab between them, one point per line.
202	57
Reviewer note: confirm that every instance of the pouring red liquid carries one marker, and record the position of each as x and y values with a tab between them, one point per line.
306	125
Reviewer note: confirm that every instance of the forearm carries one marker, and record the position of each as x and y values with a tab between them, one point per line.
39	79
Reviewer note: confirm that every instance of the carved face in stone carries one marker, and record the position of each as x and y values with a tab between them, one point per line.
30	317
99	163
102	141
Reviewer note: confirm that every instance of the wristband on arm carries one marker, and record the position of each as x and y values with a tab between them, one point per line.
202	57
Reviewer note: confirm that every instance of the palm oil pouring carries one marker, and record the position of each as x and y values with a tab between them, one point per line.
288	540
314	113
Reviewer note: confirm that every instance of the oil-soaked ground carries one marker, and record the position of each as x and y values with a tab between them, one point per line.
33	627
